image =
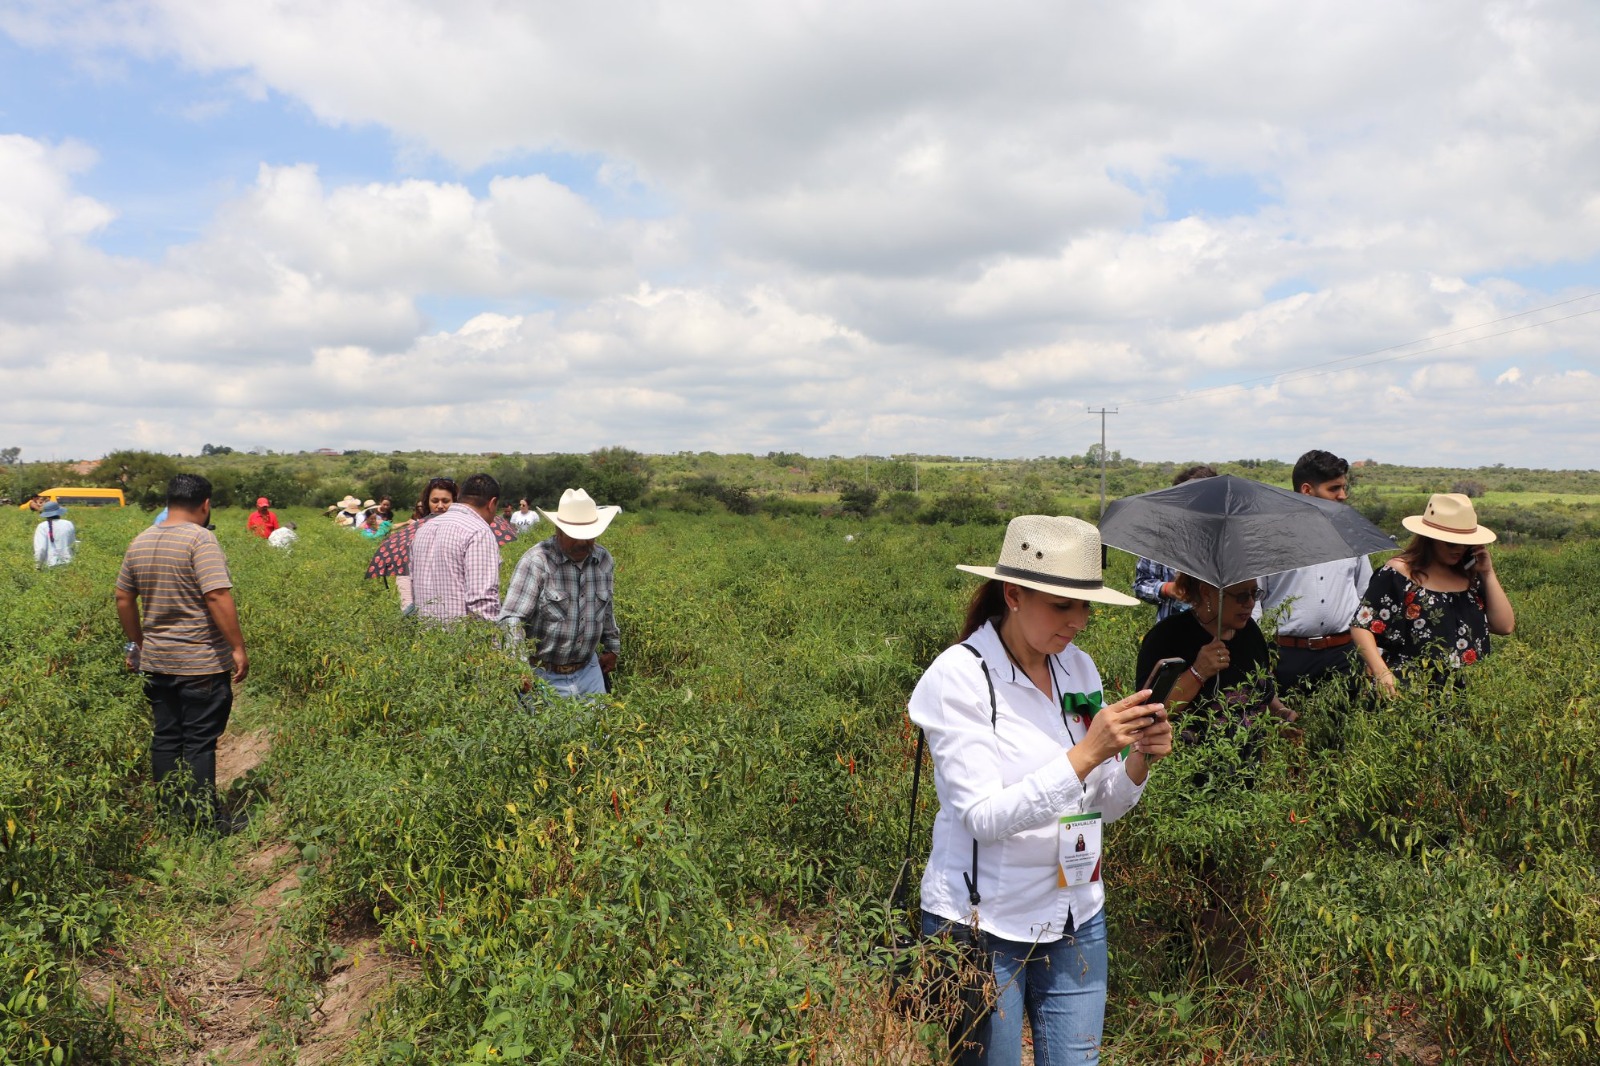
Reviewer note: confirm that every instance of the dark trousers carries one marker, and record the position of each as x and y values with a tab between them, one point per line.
190	713
1306	668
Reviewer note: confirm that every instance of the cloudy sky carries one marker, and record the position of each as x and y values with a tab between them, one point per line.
1252	227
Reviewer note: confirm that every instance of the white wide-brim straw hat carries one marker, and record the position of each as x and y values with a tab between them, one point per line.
579	517
1054	554
349	503
1449	517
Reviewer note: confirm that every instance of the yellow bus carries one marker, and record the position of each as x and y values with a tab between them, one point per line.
77	496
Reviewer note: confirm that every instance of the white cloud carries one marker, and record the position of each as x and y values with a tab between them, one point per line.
837	228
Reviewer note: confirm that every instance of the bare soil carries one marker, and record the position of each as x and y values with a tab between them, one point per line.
204	1001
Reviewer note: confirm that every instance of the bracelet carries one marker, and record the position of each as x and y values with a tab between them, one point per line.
1197	676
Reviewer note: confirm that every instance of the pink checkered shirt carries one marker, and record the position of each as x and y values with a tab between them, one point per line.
455	567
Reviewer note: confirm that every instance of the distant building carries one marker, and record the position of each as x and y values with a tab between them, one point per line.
1365	462
328	451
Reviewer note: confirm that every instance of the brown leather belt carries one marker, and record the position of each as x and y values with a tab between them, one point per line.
1332	640
562	668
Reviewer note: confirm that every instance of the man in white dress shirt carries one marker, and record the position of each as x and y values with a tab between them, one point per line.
1314	631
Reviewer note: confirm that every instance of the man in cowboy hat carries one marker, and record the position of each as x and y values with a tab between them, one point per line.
560	599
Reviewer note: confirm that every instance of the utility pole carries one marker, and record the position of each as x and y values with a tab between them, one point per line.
1102	413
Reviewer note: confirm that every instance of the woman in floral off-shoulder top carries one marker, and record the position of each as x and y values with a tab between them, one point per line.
1431	609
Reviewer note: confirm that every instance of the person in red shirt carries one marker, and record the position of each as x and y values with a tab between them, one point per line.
263	523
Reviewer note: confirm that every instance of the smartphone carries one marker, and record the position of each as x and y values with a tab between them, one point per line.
1163	677
1469	561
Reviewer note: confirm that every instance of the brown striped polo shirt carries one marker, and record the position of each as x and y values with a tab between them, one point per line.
170	569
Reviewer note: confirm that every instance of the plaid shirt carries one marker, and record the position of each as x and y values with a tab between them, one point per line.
455	567
1148	577
560	607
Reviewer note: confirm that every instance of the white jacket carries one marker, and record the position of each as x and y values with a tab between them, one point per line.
1006	786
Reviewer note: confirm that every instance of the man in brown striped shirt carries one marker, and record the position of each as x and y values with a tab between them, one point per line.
186	641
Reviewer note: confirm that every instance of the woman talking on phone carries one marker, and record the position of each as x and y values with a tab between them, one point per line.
1429	610
1027	757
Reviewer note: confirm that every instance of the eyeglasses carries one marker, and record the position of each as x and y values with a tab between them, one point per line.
1255	595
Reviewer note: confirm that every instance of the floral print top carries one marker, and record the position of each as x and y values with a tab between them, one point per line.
1412	623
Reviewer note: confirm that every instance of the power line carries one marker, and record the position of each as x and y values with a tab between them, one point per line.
1313	370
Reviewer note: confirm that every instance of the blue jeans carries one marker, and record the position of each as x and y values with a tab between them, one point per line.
590	681
1061	985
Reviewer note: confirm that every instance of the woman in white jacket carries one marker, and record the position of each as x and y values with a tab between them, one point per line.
55	538
1027	755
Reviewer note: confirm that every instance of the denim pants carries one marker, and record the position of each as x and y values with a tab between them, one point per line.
589	681
1061	986
189	713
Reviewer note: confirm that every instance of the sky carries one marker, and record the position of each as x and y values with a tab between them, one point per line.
1249	228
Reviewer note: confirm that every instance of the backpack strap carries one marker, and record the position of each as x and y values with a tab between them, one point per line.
994	710
897	896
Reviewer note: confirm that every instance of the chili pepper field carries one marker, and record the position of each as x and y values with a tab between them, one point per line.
694	870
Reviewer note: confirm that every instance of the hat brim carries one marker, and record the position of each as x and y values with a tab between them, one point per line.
1099	594
584	532
1480	535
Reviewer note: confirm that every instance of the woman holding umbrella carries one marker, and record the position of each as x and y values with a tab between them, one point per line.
1025	757
1430	610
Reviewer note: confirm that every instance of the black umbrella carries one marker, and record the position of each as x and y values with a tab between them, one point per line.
1224	530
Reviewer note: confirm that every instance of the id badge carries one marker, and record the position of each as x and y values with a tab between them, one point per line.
1078	844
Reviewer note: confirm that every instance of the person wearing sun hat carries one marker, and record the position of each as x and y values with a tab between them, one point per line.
1431	609
346	515
559	604
1021	739
54	538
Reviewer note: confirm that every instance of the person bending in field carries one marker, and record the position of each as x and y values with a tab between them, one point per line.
186	641
560	600
455	561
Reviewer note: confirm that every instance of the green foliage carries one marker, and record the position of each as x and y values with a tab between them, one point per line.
142	476
680	873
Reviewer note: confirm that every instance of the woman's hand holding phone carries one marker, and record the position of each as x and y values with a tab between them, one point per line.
1130	723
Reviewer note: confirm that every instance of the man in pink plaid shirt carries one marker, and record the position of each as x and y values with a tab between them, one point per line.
455	562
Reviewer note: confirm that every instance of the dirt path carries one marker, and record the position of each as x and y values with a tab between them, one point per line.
204	998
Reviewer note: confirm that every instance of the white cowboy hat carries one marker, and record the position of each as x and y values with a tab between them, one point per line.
578	516
1449	517
1058	555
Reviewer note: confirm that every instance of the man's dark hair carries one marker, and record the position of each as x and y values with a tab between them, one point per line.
188	491
1199	470
1317	466
479	489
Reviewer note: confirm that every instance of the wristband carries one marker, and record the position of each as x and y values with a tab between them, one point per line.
1197	676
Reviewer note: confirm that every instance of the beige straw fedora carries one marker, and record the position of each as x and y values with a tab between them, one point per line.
1449	517
1058	555
579	517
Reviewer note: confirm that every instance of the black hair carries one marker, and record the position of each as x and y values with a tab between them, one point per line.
479	489
446	483
1199	470
188	491
1317	467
